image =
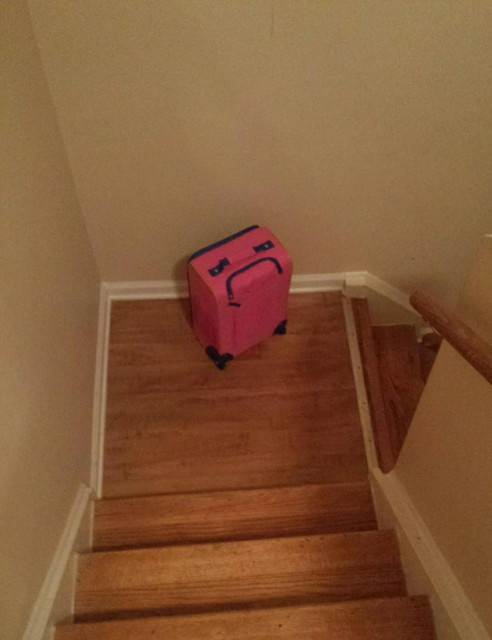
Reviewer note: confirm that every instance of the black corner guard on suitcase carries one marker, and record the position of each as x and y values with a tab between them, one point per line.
281	328
220	359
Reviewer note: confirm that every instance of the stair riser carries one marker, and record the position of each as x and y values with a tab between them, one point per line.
402	618
233	515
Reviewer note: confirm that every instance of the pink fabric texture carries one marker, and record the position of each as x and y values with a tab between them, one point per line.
239	289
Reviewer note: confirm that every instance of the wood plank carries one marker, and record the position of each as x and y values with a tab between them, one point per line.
325	371
370	363
277	349
208	577
382	619
400	377
129	417
220	473
284	413
303	437
233	515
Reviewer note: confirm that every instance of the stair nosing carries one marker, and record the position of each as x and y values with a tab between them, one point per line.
149	496
421	601
343	534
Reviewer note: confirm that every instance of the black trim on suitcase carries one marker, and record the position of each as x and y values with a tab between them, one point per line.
221	242
220	359
264	246
230	293
281	329
219	267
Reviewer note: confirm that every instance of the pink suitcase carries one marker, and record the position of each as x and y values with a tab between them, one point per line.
238	290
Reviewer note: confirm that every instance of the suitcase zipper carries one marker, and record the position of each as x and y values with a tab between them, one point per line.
230	293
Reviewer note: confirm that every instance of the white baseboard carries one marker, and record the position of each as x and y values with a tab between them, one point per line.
100	382
146	290
172	289
56	597
304	283
389	291
425	567
311	283
356	279
359	279
360	386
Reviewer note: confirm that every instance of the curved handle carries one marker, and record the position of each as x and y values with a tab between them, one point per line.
230	293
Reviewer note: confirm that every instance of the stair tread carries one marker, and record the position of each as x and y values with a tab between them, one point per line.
219	576
233	515
405	618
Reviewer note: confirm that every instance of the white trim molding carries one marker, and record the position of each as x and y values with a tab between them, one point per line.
100	385
311	283
447	590
303	283
360	386
76	536
357	279
388	290
173	289
146	290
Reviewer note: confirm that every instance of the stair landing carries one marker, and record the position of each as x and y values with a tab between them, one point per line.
283	413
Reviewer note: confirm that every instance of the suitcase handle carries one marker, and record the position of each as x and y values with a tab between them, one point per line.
219	267
230	293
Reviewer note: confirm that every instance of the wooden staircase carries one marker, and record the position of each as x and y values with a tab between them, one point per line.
237	503
396	368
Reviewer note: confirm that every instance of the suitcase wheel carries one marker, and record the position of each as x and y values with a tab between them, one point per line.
220	359
281	329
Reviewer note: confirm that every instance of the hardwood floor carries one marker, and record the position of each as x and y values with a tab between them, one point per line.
283	413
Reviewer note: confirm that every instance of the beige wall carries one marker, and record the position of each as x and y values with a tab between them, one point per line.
445	463
360	131
49	287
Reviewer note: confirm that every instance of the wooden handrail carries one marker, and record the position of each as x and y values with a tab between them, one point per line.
470	345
